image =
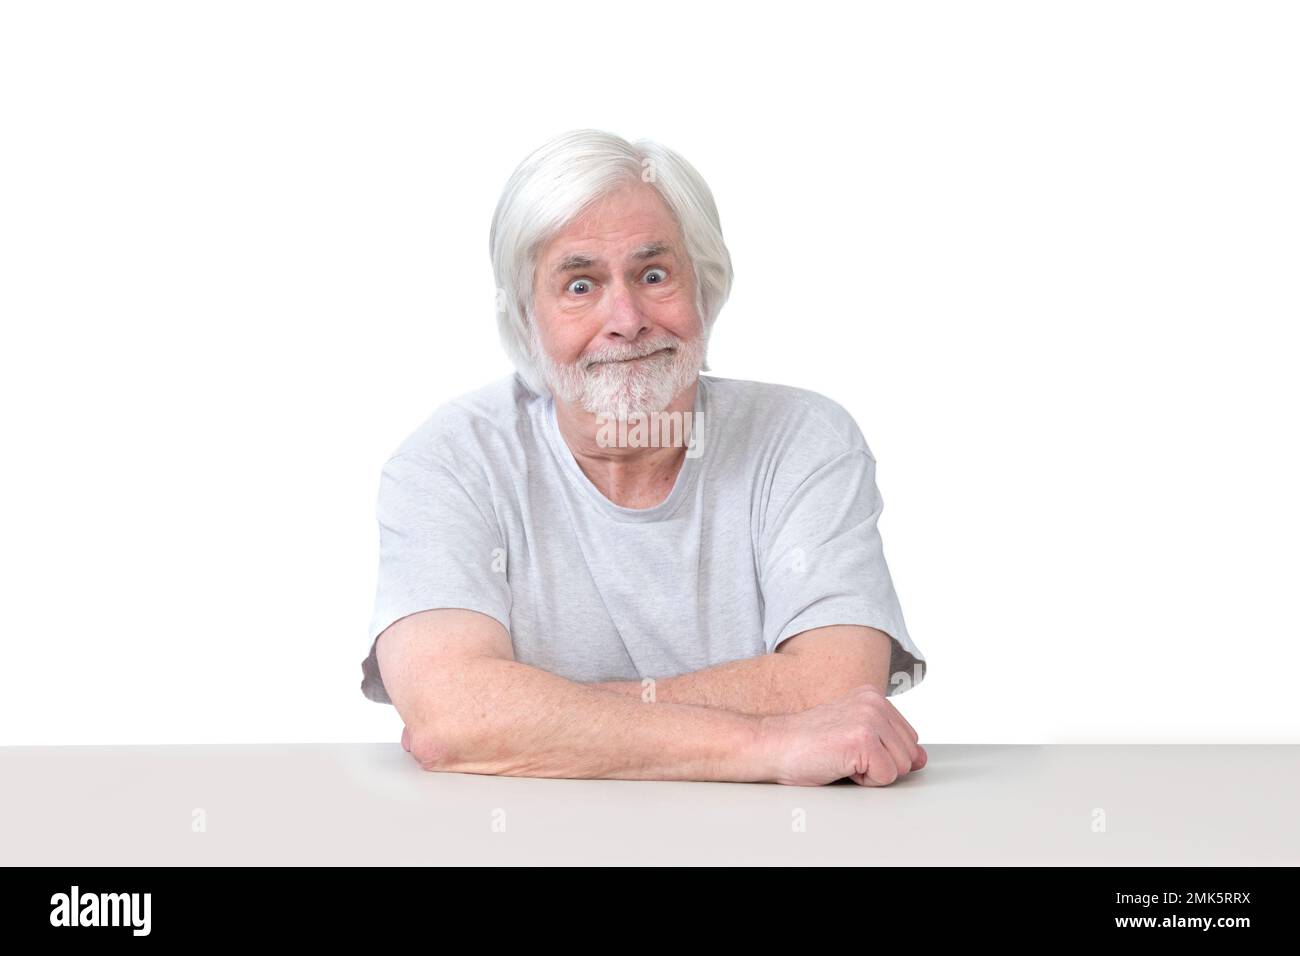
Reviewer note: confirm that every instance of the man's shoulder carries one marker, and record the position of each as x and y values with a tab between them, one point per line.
793	414
471	424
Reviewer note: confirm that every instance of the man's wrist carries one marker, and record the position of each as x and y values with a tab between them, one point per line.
765	748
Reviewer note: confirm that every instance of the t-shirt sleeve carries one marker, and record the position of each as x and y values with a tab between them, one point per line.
823	563
438	548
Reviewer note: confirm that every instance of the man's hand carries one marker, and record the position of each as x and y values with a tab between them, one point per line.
859	735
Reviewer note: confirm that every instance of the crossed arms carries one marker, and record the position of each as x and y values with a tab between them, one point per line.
470	707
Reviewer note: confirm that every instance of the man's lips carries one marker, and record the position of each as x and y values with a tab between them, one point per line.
635	358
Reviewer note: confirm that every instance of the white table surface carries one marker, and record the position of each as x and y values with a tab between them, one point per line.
370	804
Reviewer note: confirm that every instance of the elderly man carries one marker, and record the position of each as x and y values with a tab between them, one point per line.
566	590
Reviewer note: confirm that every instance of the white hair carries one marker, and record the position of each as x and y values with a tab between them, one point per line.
554	184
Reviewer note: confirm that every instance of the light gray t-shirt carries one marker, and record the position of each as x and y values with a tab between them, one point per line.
770	529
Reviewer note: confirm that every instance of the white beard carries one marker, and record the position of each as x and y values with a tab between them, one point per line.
621	390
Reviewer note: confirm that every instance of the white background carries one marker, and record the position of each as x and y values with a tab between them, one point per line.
1045	253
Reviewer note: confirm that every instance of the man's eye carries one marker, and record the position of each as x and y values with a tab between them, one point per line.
579	286
651	272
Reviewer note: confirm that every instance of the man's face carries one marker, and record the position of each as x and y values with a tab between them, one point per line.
617	332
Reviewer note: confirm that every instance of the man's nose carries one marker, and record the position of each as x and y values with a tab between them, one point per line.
625	316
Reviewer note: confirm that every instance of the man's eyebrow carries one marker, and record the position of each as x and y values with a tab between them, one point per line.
579	260
652	249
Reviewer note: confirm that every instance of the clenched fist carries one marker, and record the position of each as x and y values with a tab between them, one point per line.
860	735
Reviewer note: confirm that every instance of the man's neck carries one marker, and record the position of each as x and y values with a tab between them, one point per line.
631	475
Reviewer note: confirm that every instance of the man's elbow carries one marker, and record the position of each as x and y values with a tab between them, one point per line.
442	745
427	750
459	740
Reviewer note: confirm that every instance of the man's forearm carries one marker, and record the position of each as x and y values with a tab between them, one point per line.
495	716
810	668
766	684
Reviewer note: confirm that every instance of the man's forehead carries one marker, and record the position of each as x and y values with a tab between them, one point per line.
576	258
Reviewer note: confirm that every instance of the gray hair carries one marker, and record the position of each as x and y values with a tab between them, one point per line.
554	184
